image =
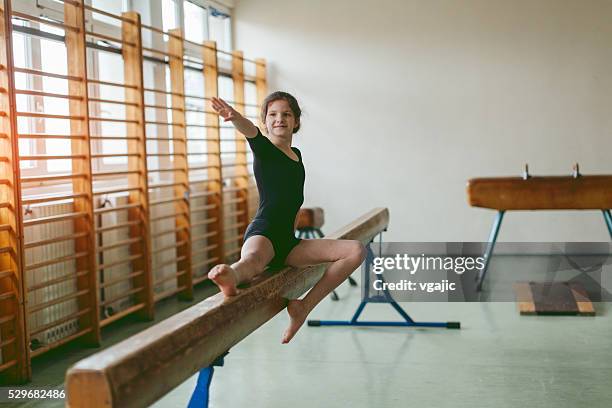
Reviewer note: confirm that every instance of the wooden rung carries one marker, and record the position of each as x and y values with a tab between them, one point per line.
233	189
56	261
108	83
167	278
117	190
205	222
165	200
48	116
6	205
61	238
107	14
119	244
233	239
203	194
47	94
54	218
102	156
7	296
121	314
164	107
119	279
45	136
117	208
118	226
198	279
45	21
206	181
204	98
161	52
151	122
164	170
36	200
159	31
165	185
167	247
164	139
8	273
203	208
206	167
116	173
208	247
114	138
61	341
161	91
165	217
120	262
6	343
170	262
233	201
233	213
205	262
168	293
62	299
55	281
35	179
57	322
195	238
235	225
48	157
98	119
6	319
170	231
98	100
165	154
121	296
47	74
110	38
203	154
5	227
232	252
6	182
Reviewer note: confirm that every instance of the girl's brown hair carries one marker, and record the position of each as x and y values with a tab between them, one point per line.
293	105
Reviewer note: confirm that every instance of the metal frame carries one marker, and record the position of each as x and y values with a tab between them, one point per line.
493	239
386	297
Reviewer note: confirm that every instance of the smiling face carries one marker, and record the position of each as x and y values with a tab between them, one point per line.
280	120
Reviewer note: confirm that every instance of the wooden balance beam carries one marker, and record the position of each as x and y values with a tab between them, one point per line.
141	369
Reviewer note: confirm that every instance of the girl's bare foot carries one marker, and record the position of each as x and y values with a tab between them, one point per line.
297	315
225	278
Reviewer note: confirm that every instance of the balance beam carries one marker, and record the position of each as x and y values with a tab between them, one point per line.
593	192
141	369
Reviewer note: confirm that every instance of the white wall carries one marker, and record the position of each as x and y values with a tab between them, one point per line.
406	100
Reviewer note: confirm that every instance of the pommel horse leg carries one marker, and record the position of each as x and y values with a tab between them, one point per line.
492	239
608	218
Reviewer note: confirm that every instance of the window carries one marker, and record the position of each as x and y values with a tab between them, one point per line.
199	19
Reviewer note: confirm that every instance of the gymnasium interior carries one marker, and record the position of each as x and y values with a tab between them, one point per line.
425	123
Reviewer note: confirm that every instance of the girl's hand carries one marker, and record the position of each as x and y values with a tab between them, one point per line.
224	110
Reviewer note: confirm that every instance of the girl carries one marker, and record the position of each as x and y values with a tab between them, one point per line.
270	238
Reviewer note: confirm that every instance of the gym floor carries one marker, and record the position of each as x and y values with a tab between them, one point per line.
498	358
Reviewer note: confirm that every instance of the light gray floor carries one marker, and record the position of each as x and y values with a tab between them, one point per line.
498	358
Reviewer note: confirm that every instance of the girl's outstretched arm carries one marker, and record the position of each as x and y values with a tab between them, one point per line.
229	114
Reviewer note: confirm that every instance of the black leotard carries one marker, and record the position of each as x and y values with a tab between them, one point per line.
280	182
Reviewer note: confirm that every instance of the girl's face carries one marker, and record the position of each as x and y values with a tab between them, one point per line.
280	120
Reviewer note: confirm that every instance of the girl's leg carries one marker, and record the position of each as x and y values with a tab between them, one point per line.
256	253
345	256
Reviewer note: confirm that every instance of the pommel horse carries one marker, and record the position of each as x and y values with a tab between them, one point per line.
575	192
139	370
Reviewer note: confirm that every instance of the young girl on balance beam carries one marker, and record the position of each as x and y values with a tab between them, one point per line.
270	237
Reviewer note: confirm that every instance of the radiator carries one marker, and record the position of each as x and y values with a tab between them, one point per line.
47	273
113	255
